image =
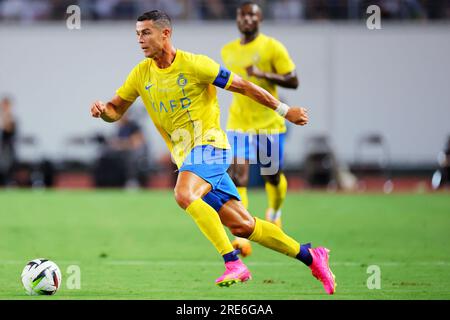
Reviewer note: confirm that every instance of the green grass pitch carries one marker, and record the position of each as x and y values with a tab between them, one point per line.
140	245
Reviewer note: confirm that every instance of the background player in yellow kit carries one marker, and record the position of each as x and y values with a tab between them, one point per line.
252	128
178	91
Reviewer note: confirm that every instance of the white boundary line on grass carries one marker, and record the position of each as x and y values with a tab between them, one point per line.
249	263
275	263
24	262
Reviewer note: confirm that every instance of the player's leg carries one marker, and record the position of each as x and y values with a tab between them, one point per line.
276	189
195	181
239	171
272	147
241	145
189	191
242	224
244	151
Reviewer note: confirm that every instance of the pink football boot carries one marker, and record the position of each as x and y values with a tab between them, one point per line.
235	272
320	269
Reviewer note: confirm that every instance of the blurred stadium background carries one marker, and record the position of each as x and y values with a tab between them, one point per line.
379	106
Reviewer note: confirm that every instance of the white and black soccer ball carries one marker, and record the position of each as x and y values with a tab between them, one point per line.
41	277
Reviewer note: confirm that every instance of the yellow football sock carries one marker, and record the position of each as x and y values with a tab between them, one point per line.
244	197
277	193
209	223
272	237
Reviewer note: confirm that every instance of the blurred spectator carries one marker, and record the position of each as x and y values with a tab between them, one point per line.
125	9
130	141
396	9
124	159
320	162
104	9
402	9
8	133
176	9
212	9
292	10
287	10
59	8
25	10
338	9
437	9
232	5
323	170
441	177
12	9
316	10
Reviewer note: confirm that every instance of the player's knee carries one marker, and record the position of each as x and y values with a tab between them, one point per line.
244	229
240	179
183	197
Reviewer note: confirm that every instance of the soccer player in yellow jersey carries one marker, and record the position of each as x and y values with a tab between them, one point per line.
254	130
178	89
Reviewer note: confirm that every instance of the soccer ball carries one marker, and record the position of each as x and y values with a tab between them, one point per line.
41	277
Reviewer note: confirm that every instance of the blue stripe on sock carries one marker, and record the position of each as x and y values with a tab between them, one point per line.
232	256
304	255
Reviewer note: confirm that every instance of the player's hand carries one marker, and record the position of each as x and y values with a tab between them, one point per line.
253	71
97	109
297	115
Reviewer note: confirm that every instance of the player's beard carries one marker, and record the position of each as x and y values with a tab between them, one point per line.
151	53
250	34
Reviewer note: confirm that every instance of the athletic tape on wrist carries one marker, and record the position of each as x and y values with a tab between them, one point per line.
282	109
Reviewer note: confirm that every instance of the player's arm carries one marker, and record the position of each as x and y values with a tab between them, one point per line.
288	80
112	110
283	71
295	115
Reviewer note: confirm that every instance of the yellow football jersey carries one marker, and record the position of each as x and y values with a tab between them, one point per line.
268	55
181	100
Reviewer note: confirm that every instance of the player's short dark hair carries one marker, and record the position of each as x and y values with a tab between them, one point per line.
160	18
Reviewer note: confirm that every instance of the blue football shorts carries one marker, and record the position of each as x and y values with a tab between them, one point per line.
263	149
211	164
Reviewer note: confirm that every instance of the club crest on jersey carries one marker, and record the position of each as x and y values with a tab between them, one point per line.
182	81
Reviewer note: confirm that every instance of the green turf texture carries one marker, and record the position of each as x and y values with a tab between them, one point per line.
140	245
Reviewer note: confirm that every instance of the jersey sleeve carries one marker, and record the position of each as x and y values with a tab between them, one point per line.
210	72
129	90
281	60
